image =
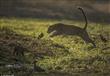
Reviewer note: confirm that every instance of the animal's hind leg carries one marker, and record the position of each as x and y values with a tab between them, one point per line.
92	42
88	40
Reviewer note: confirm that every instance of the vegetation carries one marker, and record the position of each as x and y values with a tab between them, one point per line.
61	55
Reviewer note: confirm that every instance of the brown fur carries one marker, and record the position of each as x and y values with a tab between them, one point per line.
63	29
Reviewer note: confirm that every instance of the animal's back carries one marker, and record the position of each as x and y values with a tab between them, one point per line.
68	29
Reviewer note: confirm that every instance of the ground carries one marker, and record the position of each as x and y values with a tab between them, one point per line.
59	56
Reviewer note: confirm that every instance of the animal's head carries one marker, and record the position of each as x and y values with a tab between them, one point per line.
52	28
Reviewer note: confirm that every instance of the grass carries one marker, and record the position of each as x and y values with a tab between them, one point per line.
61	54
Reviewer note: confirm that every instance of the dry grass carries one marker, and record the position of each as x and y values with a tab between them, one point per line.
60	54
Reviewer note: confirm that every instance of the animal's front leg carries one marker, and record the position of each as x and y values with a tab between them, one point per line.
54	33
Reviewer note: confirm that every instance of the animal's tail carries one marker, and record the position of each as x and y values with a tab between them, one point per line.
84	17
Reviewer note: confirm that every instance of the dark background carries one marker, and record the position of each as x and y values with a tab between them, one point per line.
96	10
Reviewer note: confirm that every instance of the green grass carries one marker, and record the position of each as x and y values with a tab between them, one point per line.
76	57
